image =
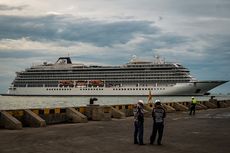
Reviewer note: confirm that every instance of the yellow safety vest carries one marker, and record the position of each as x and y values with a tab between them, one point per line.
194	101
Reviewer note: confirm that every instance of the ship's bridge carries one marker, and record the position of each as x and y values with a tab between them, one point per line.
64	60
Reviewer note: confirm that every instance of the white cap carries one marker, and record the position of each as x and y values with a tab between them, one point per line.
157	101
141	101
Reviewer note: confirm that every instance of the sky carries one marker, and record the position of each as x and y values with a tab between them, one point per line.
109	32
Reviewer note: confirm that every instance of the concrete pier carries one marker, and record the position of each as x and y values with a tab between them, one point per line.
98	113
206	132
168	108
33	120
210	104
16	119
75	116
10	122
180	107
116	113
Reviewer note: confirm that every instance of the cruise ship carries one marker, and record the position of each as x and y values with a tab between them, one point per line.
137	77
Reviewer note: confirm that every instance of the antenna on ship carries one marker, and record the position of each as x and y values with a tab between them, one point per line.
158	60
134	57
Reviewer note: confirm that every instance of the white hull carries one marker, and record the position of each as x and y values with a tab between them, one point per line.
195	88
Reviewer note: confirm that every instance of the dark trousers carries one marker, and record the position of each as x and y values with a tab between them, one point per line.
138	132
192	110
157	128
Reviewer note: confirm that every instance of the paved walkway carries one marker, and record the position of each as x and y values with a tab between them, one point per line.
207	132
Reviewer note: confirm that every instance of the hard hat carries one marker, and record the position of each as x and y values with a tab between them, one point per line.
192	97
141	102
157	101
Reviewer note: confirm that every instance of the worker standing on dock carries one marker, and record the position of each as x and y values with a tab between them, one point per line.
193	106
139	123
158	115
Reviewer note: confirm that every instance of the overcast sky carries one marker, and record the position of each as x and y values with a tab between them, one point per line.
109	32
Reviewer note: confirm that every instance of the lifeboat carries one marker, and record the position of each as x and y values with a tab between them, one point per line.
81	83
66	83
96	83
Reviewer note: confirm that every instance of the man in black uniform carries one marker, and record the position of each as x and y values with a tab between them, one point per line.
139	123
158	115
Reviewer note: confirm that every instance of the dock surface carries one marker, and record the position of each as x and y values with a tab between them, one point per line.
206	132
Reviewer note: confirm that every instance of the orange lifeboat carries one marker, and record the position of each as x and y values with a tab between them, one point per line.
66	83
96	83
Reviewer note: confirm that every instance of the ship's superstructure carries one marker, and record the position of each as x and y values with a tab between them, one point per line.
137	77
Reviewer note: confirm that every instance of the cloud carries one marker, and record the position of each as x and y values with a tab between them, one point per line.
54	28
10	8
199	8
55	35
194	33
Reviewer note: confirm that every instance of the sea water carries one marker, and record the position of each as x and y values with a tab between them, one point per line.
35	102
